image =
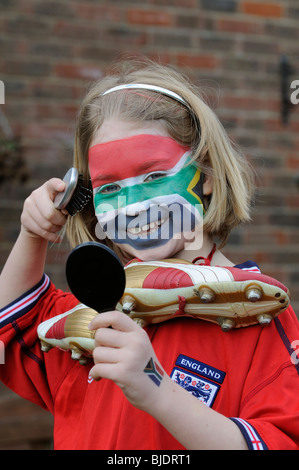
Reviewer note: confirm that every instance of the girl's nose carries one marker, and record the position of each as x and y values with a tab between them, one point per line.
138	199
132	210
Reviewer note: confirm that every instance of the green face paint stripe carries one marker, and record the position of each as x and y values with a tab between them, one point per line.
176	184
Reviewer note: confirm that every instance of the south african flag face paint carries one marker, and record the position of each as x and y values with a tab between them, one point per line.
146	191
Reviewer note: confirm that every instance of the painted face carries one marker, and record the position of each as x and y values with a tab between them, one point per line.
146	192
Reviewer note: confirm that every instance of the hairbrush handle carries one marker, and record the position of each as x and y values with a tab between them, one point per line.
70	179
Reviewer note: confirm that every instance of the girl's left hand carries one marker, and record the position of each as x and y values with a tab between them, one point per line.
124	354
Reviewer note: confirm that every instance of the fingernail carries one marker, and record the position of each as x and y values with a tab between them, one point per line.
61	186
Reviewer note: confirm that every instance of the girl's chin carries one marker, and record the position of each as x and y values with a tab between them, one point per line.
167	250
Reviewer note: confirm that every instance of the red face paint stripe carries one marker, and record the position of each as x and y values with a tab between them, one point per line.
127	158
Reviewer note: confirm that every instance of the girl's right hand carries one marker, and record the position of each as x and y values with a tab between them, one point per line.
39	218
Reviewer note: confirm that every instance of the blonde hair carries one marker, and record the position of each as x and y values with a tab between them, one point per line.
197	127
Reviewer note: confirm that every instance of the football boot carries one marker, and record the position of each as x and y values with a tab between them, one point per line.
69	331
232	297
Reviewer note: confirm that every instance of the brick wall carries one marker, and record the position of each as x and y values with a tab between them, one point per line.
51	50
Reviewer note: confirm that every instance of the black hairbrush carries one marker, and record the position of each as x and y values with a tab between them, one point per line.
76	195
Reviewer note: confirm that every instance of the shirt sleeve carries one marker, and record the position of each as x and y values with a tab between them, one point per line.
24	367
269	411
25	303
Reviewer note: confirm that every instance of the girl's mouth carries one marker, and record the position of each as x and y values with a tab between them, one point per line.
146	229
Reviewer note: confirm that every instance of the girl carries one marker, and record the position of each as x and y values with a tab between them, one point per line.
146	138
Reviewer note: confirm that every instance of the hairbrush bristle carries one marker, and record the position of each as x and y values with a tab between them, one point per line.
80	197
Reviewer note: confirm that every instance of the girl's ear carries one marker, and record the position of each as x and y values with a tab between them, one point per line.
208	185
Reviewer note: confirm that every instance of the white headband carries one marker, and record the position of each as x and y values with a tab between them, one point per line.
159	89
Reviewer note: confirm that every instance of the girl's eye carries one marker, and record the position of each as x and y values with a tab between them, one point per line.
110	188
155	176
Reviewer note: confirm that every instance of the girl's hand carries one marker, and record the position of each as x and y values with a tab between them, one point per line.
39	218
125	355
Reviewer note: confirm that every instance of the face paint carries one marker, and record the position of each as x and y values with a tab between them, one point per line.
146	192
154	372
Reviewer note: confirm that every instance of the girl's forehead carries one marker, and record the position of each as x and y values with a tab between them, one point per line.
116	129
132	156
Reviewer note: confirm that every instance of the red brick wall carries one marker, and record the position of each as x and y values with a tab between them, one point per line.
51	50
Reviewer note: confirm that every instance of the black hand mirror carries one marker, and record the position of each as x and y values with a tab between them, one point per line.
95	276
